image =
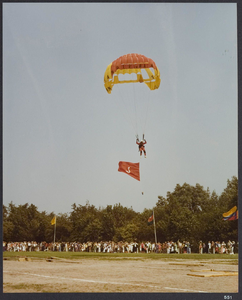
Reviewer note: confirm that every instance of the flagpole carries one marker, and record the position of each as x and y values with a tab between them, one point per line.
154	227
55	230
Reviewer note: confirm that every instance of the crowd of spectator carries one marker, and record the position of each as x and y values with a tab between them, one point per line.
217	247
122	247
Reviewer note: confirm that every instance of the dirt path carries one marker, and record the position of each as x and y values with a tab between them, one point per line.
119	275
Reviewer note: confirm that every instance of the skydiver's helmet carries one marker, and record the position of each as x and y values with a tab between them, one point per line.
142	141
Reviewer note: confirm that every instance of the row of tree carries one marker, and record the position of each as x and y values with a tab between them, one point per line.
189	213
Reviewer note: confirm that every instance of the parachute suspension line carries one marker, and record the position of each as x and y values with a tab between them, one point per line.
140	116
135	110
146	116
147	111
126	109
138	110
125	65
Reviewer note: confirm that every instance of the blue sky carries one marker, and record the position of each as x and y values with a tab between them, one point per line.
63	134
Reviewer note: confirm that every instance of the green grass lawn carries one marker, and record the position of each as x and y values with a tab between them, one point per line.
91	255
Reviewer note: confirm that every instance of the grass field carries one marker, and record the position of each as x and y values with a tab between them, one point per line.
93	255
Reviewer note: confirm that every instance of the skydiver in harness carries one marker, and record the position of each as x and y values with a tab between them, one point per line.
141	145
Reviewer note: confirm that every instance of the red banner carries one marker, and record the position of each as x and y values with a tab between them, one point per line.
132	169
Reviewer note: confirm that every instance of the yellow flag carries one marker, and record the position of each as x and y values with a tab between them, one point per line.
53	221
230	212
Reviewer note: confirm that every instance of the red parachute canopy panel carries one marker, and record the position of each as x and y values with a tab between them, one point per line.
132	61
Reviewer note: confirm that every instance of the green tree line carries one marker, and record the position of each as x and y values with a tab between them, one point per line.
189	213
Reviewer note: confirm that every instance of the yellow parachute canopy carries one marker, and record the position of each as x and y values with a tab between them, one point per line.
128	64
